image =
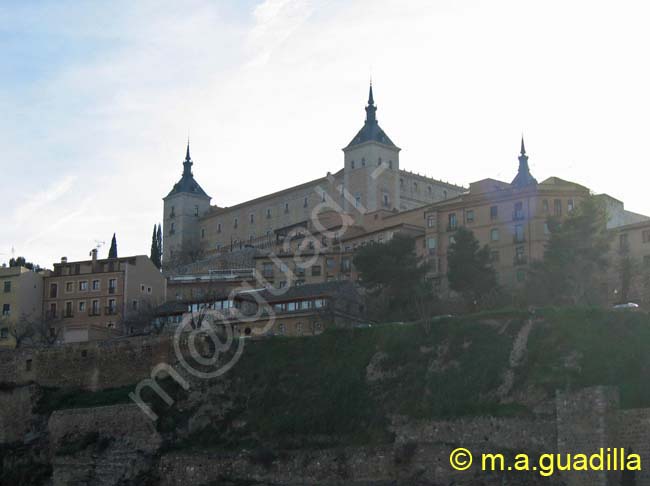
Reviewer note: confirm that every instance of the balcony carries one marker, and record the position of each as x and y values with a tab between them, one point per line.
110	311
452	227
111	290
94	312
68	314
520	260
518	216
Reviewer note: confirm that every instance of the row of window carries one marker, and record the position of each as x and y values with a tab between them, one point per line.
69	308
363	163
517	215
300	305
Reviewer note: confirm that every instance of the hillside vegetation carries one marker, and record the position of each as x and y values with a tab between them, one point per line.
343	387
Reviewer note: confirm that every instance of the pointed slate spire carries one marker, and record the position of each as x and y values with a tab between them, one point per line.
187	164
371	131
371	109
523	177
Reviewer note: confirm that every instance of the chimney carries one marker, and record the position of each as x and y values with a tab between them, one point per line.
93	253
64	259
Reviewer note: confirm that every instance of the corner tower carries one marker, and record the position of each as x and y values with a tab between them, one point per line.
371	172
183	206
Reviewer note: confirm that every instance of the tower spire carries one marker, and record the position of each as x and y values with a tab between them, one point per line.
523	177
187	164
371	109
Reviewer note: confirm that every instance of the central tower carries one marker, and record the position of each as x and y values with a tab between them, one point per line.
371	172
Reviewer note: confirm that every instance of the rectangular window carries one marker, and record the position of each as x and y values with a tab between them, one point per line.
494	212
112	285
469	216
545	205
235	223
494	234
94	310
4	333
453	224
519	233
569	205
305	202
267	269
316	271
286	208
83	286
557	207
82	306
218	227
431	243
268	213
7	286
111	306
646	236
623	242
431	222
96	285
68	309
54	288
346	264
520	257
331	263
519	211
6	310
69	287
252	218
386	200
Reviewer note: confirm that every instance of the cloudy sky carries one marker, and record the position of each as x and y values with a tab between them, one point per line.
98	99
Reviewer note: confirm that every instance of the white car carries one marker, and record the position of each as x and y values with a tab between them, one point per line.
628	306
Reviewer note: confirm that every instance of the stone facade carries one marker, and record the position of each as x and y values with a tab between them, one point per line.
91	300
371	180
21	297
102	445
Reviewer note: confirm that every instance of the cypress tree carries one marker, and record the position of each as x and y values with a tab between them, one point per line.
155	254
112	252
160	245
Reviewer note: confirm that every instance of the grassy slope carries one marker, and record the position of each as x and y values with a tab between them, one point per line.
291	390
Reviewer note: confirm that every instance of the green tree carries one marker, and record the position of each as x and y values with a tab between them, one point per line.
112	251
468	268
575	258
160	245
394	278
155	254
22	262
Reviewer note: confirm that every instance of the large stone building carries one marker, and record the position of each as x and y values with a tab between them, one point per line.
21	297
371	180
375	200
90	300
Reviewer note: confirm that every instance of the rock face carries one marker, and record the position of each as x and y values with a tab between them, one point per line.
101	446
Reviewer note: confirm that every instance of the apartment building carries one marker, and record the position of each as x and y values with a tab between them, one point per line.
21	298
91	300
629	275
